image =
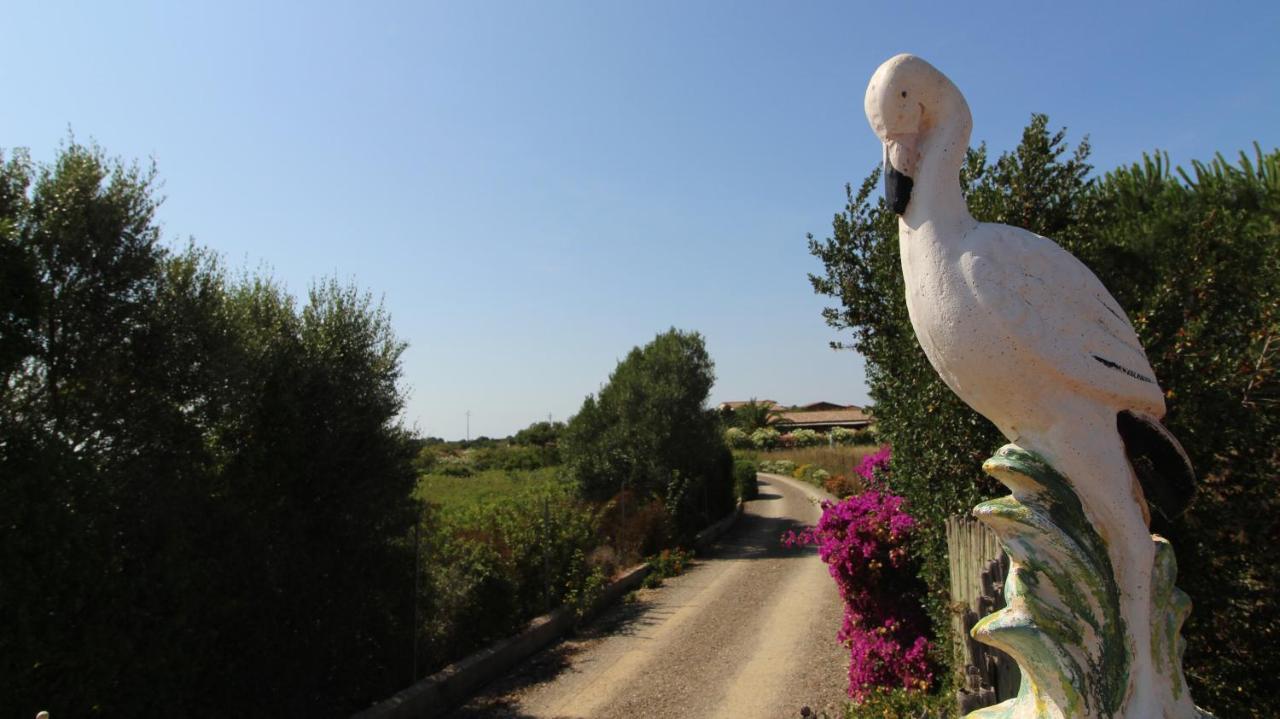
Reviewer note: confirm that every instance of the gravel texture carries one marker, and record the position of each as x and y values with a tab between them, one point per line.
747	631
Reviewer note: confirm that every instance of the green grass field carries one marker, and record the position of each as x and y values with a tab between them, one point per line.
485	487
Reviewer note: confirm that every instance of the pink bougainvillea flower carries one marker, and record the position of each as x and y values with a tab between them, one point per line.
864	542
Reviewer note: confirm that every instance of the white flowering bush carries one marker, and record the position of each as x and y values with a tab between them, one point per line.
778	466
737	439
842	436
806	438
765	438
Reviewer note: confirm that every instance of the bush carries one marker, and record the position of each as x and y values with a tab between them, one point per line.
842	436
539	434
875	463
737	439
810	473
634	527
424	462
1194	259
842	486
881	703
744	477
778	466
765	438
453	468
849	437
864	539
865	436
511	457
666	564
807	438
204	488
649	431
489	566
584	587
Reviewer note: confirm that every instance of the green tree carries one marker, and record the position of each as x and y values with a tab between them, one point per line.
203	489
649	431
1195	260
754	415
539	434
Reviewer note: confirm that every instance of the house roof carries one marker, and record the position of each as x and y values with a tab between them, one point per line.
737	403
848	415
816	406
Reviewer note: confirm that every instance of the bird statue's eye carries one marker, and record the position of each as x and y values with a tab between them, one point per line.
904	93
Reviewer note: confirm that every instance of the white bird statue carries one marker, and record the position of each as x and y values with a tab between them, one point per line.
1026	335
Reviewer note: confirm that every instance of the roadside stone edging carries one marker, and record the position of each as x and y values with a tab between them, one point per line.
452	686
704	539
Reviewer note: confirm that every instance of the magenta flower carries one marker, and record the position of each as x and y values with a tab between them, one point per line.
864	542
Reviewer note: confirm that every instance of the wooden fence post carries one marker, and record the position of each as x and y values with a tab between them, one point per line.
978	568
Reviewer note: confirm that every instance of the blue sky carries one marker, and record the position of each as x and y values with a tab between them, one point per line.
535	188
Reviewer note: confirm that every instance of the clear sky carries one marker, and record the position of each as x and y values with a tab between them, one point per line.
533	188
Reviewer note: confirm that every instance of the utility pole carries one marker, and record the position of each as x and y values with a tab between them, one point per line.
468	425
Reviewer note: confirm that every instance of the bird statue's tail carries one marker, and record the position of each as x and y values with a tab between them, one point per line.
1161	464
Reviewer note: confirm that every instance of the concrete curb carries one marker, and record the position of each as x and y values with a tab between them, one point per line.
452	686
704	539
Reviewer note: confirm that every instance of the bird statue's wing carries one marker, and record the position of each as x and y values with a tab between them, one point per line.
1056	311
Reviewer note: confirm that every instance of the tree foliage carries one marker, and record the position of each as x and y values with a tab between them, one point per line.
201	484
649	431
753	415
1194	257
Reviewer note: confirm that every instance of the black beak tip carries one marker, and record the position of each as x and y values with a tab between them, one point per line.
897	188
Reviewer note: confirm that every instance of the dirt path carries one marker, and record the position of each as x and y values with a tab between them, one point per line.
748	631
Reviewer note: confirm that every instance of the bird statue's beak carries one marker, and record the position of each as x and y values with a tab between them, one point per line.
897	187
901	158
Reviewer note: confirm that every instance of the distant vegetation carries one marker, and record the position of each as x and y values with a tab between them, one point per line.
532	448
453	492
769	438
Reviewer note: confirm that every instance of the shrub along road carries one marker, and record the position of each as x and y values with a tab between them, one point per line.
747	631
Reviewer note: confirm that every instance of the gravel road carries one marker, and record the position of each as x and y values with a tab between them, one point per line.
747	631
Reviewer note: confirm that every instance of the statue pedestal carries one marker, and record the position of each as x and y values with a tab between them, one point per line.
1062	622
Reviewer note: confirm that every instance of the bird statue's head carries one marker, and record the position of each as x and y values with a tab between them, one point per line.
914	109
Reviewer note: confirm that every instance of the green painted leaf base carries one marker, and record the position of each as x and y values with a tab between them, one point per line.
1062	621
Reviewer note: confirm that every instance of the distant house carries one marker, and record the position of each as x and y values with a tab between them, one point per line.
828	417
824	406
731	406
818	416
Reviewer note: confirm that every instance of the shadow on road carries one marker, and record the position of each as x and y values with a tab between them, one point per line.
499	700
757	537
